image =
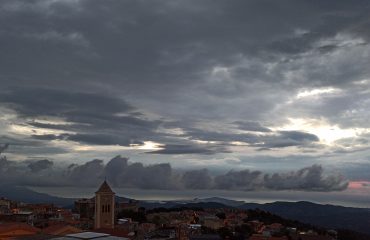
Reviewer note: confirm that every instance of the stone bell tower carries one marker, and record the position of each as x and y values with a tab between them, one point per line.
104	207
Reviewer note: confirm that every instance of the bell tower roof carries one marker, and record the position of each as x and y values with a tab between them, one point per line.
104	188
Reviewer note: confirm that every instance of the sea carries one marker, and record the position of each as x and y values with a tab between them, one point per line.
349	198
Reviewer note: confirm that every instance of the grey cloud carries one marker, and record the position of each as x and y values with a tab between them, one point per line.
287	139
29	147
299	136
88	174
240	62
33	102
218	33
157	176
190	149
357	171
241	180
274	139
197	179
121	173
310	178
40	165
48	137
306	179
114	168
251	126
103	139
3	147
94	118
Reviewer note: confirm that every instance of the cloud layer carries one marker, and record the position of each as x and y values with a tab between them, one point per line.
121	173
194	83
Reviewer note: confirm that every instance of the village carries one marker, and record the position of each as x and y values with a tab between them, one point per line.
105	216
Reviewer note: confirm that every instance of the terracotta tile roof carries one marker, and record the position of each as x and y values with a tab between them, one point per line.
9	229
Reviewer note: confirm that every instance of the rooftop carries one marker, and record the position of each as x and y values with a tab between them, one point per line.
104	188
90	235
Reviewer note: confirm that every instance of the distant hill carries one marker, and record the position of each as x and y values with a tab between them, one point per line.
212	202
228	202
203	205
23	194
330	216
159	204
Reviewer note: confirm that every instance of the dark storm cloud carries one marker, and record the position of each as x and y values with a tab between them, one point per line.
241	180
3	147
251	126
190	149
114	169
40	165
95	118
159	42
30	147
287	139
307	179
87	174
136	175
103	139
197	179
115	72
49	137
33	102
162	48
121	173
310	178
275	139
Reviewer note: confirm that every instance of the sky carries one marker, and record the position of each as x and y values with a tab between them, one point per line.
236	95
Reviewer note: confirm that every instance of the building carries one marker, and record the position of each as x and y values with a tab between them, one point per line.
129	205
5	206
85	207
104	207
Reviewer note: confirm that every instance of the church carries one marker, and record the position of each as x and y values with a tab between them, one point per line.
104	207
100	211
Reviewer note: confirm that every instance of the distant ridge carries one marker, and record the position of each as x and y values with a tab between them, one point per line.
24	194
329	216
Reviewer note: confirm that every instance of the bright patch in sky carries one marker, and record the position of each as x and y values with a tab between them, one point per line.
28	130
148	145
327	133
108	148
317	92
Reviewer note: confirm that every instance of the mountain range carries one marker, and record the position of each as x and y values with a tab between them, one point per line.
329	216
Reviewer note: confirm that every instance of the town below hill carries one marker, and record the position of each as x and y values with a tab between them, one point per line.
211	218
